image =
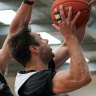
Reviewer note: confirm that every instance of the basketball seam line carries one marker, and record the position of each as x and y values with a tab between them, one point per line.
69	1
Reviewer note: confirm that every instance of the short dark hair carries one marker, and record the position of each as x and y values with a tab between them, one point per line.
19	45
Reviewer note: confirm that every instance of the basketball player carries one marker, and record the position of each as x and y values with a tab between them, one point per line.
39	77
4	55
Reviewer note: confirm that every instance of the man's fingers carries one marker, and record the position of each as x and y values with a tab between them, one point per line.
76	18
63	18
92	2
56	27
69	14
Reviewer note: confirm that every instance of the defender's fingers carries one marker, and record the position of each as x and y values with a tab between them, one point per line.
76	18
63	18
69	14
57	15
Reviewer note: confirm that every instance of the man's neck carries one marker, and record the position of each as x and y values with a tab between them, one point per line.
36	66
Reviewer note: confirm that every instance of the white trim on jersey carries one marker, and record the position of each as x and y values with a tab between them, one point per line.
20	80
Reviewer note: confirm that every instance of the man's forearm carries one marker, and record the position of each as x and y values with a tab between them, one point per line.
80	32
62	51
22	17
61	55
78	68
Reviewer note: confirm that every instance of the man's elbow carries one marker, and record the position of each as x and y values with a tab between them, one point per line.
86	80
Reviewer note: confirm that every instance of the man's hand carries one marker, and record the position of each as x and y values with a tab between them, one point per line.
81	29
67	26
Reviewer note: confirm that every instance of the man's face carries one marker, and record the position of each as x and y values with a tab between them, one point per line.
45	52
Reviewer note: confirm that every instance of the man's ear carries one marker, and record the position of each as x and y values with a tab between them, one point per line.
33	49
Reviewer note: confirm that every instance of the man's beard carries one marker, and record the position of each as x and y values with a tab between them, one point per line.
46	55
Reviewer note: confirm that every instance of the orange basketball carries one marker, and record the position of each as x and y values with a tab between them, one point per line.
77	5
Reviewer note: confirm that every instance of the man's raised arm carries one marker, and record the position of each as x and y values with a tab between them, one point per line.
79	74
22	17
62	54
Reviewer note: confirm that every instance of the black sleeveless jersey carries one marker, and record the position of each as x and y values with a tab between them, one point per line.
37	84
4	89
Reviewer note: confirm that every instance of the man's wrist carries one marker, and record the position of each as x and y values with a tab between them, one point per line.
70	39
29	2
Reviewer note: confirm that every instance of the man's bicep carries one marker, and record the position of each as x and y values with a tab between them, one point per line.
63	82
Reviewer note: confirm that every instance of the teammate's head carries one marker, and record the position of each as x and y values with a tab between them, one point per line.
24	44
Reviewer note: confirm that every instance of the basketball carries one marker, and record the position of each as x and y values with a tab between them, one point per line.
77	5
